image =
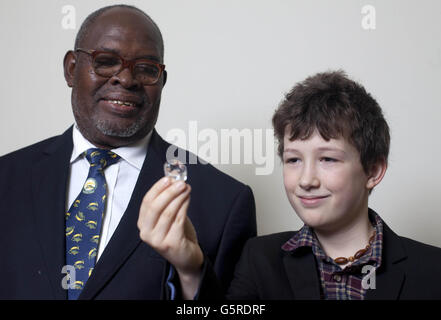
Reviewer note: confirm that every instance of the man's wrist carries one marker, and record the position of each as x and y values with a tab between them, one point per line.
190	281
187	276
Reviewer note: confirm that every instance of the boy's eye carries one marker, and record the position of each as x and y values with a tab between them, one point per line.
292	160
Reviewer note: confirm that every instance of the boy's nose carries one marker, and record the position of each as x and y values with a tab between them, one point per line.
309	178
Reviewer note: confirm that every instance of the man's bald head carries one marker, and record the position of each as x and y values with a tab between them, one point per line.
91	18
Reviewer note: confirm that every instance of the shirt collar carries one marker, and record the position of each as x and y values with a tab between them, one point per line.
305	237
134	154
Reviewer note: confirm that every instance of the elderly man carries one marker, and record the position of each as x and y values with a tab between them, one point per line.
70	205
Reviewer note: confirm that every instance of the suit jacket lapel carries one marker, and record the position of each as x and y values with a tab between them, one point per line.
126	237
390	276
49	182
302	273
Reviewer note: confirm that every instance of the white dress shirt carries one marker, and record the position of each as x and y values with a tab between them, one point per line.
120	177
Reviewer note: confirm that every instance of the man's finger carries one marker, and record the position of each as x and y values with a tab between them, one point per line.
182	213
168	216
147	218
157	188
151	211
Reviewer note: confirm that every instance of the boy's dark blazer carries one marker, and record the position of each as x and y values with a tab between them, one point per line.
33	188
409	270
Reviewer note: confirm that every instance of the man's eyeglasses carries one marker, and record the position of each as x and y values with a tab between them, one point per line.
108	64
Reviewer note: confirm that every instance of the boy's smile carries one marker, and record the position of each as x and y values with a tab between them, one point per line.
325	181
311	201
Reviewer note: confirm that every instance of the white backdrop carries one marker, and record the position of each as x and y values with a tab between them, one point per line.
229	64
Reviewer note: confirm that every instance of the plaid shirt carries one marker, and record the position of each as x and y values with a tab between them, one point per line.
337	283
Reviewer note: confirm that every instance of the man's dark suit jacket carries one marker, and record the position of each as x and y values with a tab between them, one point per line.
33	183
409	270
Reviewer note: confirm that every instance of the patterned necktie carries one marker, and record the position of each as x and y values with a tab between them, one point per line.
83	220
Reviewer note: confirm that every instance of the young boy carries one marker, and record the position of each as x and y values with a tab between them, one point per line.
334	144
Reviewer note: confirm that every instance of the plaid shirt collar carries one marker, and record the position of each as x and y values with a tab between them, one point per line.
305	237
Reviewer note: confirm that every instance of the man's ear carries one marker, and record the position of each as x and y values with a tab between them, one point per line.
164	77
376	174
69	64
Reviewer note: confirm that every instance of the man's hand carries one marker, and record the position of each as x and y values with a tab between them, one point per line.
164	225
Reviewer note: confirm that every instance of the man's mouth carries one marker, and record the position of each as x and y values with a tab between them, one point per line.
123	103
120	106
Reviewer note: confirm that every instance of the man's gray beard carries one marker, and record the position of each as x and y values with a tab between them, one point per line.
107	128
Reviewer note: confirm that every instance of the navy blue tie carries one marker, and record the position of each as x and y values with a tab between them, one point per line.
84	220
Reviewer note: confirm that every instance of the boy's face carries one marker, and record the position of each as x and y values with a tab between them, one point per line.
325	181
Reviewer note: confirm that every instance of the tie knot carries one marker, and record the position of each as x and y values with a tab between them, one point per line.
100	157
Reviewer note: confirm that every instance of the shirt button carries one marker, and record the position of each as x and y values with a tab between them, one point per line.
337	278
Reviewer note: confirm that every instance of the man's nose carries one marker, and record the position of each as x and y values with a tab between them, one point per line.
126	79
309	178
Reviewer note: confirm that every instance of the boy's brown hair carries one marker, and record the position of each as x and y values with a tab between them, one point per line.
337	107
